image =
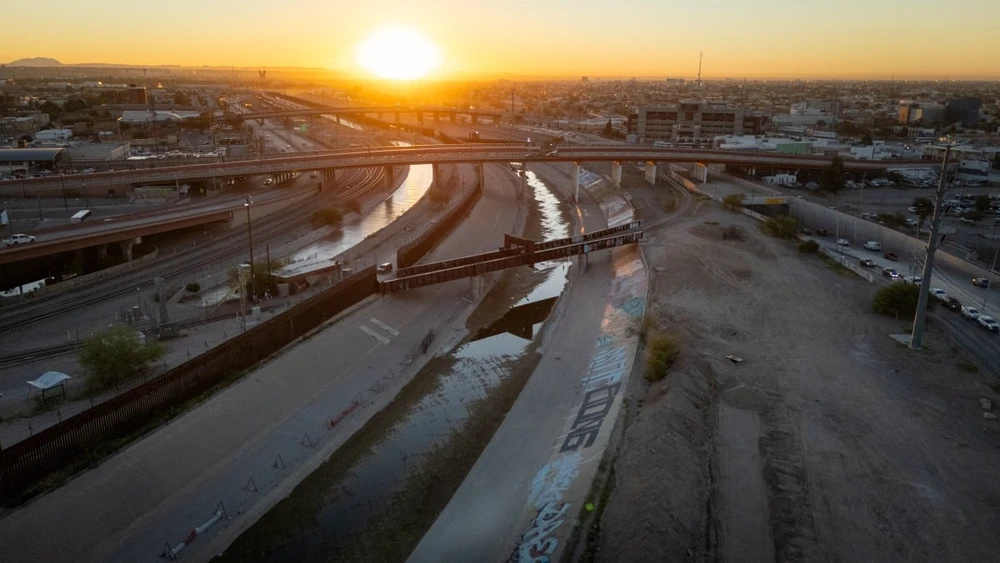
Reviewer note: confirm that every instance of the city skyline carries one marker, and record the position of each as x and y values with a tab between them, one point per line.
779	40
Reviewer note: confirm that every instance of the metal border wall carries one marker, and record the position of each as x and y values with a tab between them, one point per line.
410	253
27	462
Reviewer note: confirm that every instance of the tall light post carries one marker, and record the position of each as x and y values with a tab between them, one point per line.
253	282
919	319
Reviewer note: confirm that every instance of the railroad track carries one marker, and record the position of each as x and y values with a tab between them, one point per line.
175	266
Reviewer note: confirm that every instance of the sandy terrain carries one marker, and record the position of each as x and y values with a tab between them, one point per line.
829	442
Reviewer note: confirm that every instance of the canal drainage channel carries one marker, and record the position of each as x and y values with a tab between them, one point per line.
378	494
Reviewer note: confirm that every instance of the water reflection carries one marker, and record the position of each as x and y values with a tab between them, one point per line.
417	182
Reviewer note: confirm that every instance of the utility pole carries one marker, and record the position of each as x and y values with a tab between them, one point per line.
920	318
253	285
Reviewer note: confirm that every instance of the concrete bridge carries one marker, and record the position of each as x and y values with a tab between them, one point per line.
334	160
436	113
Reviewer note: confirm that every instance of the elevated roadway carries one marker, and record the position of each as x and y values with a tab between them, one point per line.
438	154
356	110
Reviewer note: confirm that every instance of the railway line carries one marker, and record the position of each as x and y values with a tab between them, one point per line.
230	245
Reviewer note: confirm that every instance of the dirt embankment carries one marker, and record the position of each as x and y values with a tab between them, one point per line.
828	442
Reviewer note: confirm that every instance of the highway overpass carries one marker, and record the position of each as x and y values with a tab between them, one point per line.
432	154
435	112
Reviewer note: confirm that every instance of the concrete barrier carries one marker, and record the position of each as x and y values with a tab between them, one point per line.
848	262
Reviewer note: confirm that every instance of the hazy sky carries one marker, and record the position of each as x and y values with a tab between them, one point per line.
957	39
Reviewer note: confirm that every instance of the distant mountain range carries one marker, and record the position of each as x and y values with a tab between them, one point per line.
36	62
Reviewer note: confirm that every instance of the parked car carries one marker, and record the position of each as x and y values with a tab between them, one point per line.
891	256
988	323
843	242
822	232
867	263
384	268
981	282
15	240
939	293
890	273
953	304
970	312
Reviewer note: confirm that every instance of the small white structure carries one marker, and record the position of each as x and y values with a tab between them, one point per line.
50	380
781	179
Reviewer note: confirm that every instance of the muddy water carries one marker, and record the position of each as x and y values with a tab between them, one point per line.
375	497
418	181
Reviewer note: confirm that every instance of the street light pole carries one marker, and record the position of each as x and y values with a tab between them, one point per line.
253	284
920	318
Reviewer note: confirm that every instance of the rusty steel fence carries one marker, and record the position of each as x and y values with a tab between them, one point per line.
26	463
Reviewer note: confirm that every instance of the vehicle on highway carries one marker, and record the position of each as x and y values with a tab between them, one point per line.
970	312
915	280
867	263
890	273
15	240
807	231
981	282
313	174
822	232
953	304
912	209
269	181
939	293
873	245
384	268
891	256
988	323
843	242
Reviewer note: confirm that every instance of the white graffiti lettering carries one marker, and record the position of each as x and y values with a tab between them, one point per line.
536	546
554	479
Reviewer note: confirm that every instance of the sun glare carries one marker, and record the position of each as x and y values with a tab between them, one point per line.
399	53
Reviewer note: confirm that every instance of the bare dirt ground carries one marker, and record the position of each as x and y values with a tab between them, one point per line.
829	442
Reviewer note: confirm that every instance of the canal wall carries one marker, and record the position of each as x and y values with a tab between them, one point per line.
412	252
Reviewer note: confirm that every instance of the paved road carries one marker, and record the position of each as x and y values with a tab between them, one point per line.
160	488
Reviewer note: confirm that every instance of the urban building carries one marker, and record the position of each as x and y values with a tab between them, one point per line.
692	121
136	94
921	113
26	161
54	135
964	111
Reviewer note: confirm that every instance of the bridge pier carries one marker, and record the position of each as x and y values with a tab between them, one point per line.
700	173
126	246
437	117
576	182
474	119
616	173
650	172
481	175
388	176
102	252
420	117
436	176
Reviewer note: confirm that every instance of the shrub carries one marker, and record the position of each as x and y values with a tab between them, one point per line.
897	298
670	205
733	202
809	247
193	287
660	355
732	232
327	217
781	227
352	206
116	355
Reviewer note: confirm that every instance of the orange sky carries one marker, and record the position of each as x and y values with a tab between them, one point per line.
766	38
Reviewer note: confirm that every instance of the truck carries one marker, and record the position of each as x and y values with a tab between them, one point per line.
873	245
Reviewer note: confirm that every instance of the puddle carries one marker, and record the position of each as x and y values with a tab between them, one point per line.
375	497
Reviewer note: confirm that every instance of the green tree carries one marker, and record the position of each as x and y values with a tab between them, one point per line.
982	203
898	299
848	129
866	140
116	355
833	175
925	208
608	129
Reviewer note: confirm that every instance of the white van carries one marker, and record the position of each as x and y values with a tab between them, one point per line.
873	245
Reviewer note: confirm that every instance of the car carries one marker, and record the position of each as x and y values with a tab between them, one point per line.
912	209
970	312
890	273
981	282
988	323
915	280
968	221
873	245
953	304
891	256
939	294
807	231
384	268
843	242
822	232
867	263
15	240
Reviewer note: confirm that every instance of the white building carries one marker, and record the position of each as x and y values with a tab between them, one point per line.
54	135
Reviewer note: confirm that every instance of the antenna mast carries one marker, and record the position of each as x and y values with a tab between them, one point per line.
699	69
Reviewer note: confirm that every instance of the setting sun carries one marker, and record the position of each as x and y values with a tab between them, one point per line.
399	53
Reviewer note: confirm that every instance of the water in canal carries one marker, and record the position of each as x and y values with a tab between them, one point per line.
418	181
375	497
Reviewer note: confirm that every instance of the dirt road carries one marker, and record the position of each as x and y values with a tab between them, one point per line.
829	441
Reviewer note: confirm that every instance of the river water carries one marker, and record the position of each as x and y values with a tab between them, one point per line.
340	511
